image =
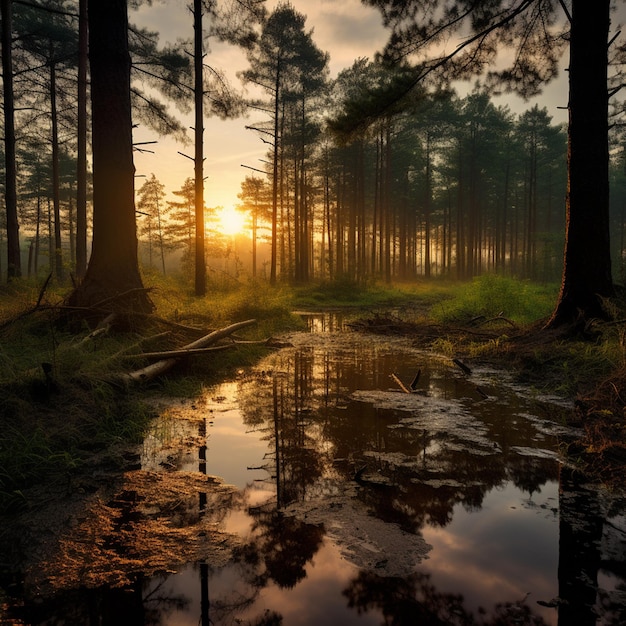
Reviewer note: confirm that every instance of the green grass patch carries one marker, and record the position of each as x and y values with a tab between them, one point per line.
271	306
491	296
347	293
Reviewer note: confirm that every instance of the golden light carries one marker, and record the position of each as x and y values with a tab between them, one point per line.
230	221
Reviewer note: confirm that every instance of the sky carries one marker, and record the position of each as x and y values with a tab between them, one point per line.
346	29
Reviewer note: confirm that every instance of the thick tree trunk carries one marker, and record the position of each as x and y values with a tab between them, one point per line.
587	262
200	264
81	163
14	266
113	268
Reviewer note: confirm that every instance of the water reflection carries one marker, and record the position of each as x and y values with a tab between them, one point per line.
361	504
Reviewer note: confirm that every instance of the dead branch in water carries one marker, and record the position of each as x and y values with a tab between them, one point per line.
400	383
462	366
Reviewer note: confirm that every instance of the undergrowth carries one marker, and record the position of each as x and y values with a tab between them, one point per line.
345	292
492	296
60	402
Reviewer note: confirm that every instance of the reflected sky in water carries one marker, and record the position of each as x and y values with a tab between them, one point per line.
472	476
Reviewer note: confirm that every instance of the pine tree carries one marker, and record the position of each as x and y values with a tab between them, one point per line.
153	212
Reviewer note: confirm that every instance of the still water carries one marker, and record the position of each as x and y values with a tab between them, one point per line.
355	502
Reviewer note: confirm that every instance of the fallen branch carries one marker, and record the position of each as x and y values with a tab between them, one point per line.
400	383
33	309
42	291
415	380
462	366
101	329
499	318
120	296
175	354
160	367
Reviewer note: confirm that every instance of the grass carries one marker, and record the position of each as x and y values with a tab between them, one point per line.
491	296
342	293
57	408
271	307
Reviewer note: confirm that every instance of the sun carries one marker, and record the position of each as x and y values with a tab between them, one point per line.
231	221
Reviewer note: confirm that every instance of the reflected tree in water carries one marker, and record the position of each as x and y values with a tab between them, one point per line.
588	546
415	600
280	549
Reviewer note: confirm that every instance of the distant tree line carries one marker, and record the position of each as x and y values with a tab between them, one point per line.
449	185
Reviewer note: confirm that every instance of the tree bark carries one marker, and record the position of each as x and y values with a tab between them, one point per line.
586	275
200	271
14	266
113	266
81	167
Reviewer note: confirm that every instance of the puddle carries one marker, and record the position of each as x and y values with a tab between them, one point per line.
343	500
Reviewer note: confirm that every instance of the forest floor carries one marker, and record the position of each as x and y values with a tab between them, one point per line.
48	369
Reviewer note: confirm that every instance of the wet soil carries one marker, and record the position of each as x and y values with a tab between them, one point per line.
534	355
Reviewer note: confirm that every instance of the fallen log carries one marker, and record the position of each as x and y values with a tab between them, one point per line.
175	354
153	370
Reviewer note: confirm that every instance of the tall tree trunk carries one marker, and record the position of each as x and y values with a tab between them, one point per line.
254	229
198	56
275	177
37	234
427	208
329	229
352	216
362	217
56	191
587	264
81	160
14	263
113	268
387	206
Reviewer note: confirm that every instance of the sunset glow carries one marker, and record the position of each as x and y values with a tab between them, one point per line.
230	221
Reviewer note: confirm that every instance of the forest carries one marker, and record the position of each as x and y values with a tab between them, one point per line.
386	385
434	185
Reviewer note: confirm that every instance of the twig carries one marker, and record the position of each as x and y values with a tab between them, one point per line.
33	309
416	379
103	327
462	365
42	291
400	383
119	296
498	318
